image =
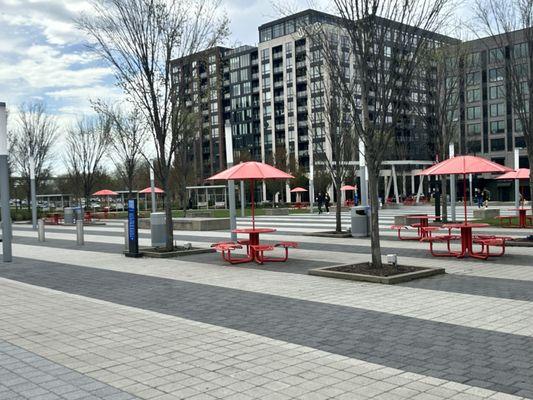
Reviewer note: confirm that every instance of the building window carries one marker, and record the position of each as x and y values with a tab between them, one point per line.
518	125
265	54
473	78
496	74
473	95
234	62
265	34
265	68
496	55
497	110
289	27
266	82
247	87
496	92
473	113
474	146
473	60
473	129
497	144
245	75
520	50
236	90
245	60
233	77
277	30
497	127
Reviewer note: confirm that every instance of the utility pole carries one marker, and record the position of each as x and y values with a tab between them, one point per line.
4	188
33	193
363	175
231	183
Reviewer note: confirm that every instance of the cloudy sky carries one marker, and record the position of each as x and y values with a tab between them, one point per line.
42	54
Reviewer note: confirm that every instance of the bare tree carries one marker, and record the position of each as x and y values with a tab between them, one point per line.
139	38
35	135
334	139
128	137
385	39
510	27
87	142
442	68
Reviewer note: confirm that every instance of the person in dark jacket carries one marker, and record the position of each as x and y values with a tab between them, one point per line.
319	201
327	202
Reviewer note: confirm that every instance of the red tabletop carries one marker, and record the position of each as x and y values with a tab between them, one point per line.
256	230
467	225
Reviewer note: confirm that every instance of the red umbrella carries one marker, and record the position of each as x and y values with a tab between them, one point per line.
521	173
298	190
347	187
463	165
105	192
149	190
252	171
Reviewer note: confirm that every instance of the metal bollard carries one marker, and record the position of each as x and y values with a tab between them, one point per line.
79	232
40	230
126	237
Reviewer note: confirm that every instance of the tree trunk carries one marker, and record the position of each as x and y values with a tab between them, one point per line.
338	224
373	178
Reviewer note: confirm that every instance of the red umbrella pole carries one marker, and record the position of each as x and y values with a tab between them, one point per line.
464	196
253	208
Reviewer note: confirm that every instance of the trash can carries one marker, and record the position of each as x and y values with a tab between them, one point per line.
360	220
158	229
69	215
78	214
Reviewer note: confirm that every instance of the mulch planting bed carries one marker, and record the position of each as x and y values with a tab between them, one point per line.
367	269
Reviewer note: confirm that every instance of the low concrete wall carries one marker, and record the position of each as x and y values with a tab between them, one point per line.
276	211
193	224
200	213
484	213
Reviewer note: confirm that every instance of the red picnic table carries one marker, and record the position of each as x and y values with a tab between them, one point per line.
522	218
254	249
421	225
467	239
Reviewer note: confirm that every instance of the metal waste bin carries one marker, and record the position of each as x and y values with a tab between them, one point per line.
158	229
360	216
69	215
78	214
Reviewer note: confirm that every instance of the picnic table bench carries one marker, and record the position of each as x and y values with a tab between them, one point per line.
254	252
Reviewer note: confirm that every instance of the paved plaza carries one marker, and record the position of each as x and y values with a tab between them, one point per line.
84	322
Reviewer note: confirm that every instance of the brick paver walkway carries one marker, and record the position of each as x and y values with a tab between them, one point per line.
87	323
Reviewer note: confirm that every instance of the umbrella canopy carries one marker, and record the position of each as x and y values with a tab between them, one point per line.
149	190
521	173
251	170
347	187
105	192
298	190
463	165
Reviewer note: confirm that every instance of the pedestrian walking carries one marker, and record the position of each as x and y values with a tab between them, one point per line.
479	198
486	198
327	201
319	201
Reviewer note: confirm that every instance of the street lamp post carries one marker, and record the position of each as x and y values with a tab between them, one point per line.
231	183
152	188
516	181
33	193
4	187
363	174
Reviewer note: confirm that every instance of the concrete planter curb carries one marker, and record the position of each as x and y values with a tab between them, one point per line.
173	254
329	234
388	280
276	211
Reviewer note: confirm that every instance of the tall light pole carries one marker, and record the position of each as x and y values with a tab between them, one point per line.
231	183
452	184
152	187
4	188
516	181
33	193
311	175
